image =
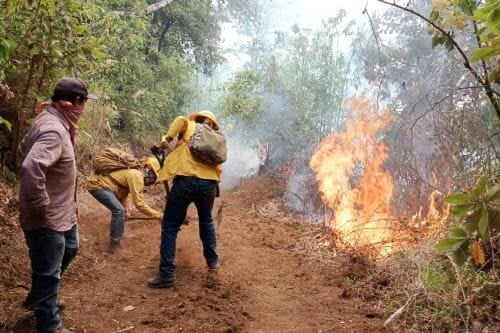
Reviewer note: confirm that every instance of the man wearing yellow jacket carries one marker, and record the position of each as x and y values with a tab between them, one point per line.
112	191
194	182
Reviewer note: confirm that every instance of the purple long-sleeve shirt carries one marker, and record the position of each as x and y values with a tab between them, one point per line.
48	174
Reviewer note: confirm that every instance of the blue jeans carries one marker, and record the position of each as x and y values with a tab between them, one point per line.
109	199
186	190
50	253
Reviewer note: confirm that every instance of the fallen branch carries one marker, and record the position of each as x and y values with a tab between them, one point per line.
398	312
125	329
149	10
157	6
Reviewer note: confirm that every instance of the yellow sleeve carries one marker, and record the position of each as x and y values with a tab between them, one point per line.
178	126
135	183
92	182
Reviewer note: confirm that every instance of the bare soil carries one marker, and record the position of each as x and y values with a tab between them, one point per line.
264	284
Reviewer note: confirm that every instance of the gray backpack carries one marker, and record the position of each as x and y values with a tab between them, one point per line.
208	146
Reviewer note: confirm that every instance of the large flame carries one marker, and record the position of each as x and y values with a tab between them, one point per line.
354	183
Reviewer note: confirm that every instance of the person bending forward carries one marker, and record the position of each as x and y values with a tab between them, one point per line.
112	191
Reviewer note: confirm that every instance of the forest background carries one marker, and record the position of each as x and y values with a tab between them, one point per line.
434	65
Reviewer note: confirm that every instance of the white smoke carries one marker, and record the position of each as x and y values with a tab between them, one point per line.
303	198
242	162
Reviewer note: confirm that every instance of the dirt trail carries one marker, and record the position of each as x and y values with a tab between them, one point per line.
263	285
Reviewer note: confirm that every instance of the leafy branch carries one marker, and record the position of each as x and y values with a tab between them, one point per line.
480	216
450	40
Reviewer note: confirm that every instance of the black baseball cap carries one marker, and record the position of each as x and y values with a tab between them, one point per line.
72	86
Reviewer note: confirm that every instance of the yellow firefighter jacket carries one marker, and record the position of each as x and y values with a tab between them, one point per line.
180	162
121	183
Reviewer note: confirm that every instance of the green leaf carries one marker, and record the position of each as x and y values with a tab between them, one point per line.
472	221
434	16
6	123
482	13
458	198
493	193
483	224
449	244
438	40
11	8
484	53
5	47
493	75
448	43
458	233
487	36
480	187
81	29
461	210
467	6
50	7
57	53
452	242
481	31
461	254
493	21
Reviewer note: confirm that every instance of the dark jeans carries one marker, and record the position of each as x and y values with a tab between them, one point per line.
109	199
186	190
50	253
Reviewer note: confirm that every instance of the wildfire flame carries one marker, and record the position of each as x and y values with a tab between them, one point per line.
350	172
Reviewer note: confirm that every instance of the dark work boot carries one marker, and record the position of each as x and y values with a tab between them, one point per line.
211	280
115	247
162	282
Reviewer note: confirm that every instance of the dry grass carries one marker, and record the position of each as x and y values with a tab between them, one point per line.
95	134
431	293
14	264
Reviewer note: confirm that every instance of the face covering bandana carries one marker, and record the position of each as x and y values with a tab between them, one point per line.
72	114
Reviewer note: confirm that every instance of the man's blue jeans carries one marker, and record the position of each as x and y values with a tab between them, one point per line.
50	252
109	199
186	190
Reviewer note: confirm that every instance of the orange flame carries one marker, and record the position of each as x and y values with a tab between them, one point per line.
350	172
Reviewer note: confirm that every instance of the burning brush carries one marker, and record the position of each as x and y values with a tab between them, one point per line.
355	185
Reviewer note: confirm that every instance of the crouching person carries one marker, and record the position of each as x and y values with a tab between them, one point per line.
112	191
47	197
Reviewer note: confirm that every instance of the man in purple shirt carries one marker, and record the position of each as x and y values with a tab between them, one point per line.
47	197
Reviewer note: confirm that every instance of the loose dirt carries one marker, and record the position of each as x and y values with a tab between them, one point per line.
264	283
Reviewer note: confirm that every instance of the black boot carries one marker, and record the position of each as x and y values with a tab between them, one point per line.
162	282
211	280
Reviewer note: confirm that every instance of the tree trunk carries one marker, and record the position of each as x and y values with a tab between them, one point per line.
161	38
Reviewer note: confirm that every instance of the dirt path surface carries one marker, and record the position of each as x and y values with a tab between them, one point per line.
263	284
